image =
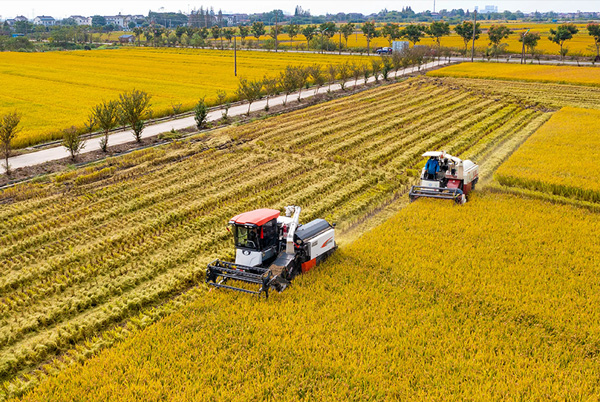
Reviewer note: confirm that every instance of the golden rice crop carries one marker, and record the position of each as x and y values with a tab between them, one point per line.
491	300
559	158
55	90
523	72
86	249
542	94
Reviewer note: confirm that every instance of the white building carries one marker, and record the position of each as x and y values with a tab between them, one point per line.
117	20
19	18
80	20
44	20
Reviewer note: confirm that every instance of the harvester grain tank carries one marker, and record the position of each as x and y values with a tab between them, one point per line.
271	250
453	179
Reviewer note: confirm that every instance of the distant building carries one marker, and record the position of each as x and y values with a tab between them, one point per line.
117	20
488	9
18	18
44	20
80	20
127	38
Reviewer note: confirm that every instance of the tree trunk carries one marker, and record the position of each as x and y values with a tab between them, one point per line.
561	52
368	46
249	104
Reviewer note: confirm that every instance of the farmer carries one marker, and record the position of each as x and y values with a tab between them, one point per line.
431	168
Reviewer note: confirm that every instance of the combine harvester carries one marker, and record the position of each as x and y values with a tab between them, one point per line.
272	249
453	179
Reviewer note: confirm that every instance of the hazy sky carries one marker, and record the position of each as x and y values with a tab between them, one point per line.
64	8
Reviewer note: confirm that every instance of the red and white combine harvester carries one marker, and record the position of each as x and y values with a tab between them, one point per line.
272	249
446	177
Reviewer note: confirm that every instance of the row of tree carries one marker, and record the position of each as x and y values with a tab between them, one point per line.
413	33
295	78
131	109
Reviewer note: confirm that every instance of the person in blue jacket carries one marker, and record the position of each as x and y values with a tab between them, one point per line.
431	168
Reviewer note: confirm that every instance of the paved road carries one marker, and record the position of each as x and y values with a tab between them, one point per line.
122	137
516	59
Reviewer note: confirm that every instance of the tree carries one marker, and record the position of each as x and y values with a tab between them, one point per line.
138	33
413	32
72	141
317	76
344	73
131	25
370	32
309	32
376	68
496	33
222	96
328	29
274	33
244	31
215	31
292	30
172	39
465	31
134	108
184	40
196	40
8	131
98	21
530	40
386	66
271	86
332	72
302	74
200	114
356	72
288	81
366	72
391	32
249	90
258	29
562	34
228	33
347	30
437	29
105	115
594	31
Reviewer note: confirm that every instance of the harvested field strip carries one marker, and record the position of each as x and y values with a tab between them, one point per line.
548	95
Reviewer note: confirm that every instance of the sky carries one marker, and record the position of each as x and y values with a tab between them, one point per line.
65	8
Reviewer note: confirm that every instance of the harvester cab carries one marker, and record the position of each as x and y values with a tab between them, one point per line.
271	250
446	177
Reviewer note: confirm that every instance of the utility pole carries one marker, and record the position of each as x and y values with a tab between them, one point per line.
523	50
276	30
234	55
474	29
340	42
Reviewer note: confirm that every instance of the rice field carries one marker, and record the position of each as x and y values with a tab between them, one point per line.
588	76
83	251
55	90
559	158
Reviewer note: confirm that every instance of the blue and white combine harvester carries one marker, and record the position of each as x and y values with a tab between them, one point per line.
446	177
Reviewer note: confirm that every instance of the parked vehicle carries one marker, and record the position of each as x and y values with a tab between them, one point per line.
384	50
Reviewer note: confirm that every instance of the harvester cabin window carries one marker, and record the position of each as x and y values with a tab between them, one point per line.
269	234
245	237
